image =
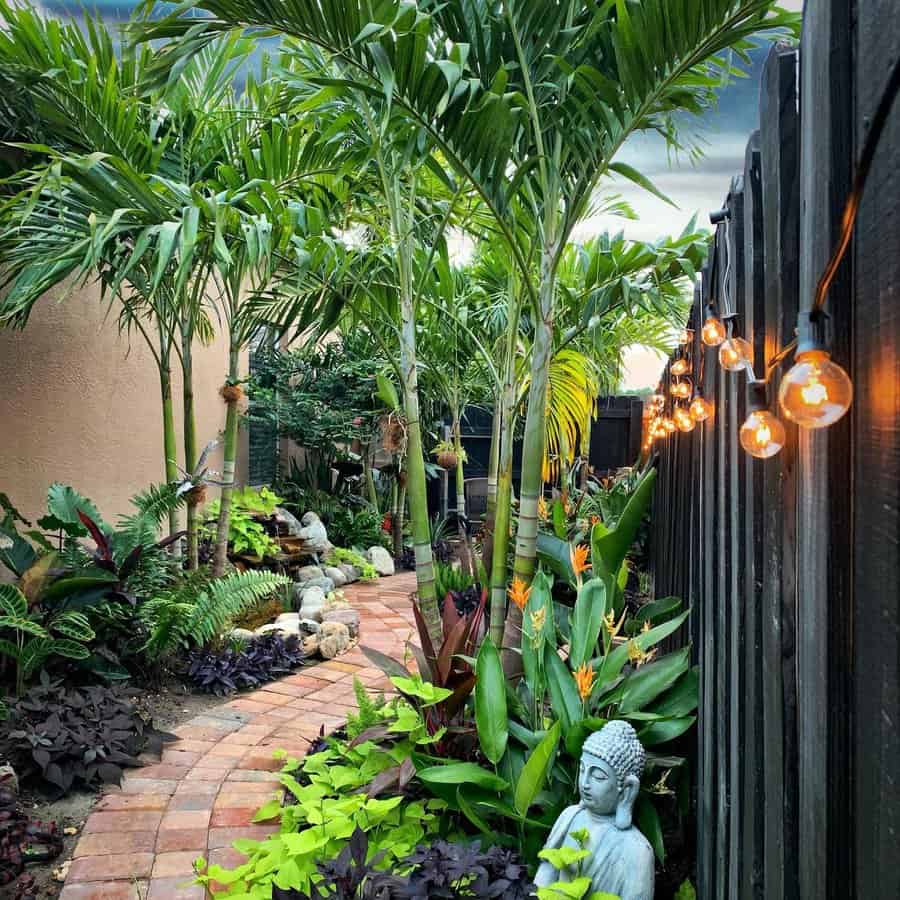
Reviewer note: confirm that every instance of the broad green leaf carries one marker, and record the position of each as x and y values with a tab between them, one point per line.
490	702
534	774
27	625
563	690
563	857
612	664
659	732
463	773
586	621
565	890
649	681
64	503
640	180
682	698
13	602
425	691
648	822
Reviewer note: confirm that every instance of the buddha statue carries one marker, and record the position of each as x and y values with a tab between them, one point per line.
619	858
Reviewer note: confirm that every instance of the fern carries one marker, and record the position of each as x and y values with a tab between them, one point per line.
196	612
371	710
152	506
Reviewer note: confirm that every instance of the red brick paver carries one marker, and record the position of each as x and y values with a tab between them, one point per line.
140	841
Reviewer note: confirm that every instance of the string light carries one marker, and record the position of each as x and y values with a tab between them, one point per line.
683	420
734	354
701	409
668	425
686	336
815	392
762	435
713	332
681	389
680	367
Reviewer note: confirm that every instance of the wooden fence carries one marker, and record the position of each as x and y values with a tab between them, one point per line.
792	564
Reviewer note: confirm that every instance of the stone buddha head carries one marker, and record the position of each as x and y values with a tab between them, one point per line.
609	777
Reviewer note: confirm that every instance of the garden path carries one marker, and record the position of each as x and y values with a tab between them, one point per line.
140	841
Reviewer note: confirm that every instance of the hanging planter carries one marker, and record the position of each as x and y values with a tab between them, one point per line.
446	455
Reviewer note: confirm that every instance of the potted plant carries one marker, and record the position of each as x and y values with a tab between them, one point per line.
446	455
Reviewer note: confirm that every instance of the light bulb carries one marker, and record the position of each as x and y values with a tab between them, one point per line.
658	400
683	420
713	332
762	434
680	367
735	354
685	336
680	389
701	409
668	425
815	392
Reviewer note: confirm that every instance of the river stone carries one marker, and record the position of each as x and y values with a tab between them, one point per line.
336	575
311	602
326	584
308	573
289	520
239	634
280	627
351	573
10	779
311	644
289	618
381	559
346	615
334	638
309	626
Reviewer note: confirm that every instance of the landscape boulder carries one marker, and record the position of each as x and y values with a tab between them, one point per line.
346	615
336	575
312	599
381	559
351	573
334	638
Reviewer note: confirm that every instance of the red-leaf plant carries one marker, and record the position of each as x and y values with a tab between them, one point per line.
445	667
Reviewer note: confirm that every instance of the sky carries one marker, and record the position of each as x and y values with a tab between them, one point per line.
696	187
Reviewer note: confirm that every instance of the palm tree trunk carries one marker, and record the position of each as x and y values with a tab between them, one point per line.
415	474
535	428
228	468
170	441
370	481
190	442
487	547
461	524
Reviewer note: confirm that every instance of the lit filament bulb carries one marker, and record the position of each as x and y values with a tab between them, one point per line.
762	434
713	332
815	392
701	409
685	336
680	389
683	420
679	367
668	425
658	401
734	354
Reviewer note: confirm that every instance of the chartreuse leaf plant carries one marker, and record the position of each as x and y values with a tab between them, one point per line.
334	792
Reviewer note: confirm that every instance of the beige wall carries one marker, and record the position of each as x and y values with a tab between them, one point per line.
81	405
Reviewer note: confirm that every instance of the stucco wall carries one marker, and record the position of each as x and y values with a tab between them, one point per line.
81	404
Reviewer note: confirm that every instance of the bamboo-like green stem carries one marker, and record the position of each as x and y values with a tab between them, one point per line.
461	528
228	467
190	439
370	480
170	440
535	425
487	546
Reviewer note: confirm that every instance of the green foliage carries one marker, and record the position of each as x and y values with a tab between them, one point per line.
245	533
331	802
196	611
33	642
338	555
370	711
686	891
358	528
448	577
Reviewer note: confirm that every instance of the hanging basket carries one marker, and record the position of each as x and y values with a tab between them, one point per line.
447	459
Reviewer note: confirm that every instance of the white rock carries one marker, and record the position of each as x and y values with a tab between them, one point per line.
351	573
311	603
239	634
308	573
282	628
288	618
334	638
289	520
381	559
336	575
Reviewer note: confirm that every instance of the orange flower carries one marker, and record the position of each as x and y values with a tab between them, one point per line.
584	679
579	557
595	520
519	592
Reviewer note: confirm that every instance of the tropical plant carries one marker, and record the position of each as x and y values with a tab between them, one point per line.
66	737
331	793
360	528
35	639
338	555
245	665
23	840
197	610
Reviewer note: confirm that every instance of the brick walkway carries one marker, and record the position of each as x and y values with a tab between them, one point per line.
140	842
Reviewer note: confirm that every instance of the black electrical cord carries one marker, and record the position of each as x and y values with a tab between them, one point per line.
851	209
